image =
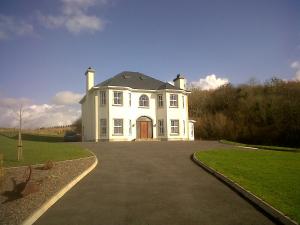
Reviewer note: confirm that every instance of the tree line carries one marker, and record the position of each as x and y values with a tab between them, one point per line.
251	113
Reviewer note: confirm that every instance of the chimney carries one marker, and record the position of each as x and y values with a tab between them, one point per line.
180	82
90	75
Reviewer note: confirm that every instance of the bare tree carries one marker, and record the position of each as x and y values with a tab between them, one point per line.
20	144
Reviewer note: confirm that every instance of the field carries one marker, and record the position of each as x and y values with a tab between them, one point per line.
38	149
274	176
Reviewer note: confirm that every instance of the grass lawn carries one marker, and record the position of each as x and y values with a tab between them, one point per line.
274	176
268	147
38	149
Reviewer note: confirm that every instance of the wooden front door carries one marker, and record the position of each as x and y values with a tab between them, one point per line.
144	129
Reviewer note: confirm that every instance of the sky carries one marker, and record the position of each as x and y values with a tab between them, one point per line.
46	47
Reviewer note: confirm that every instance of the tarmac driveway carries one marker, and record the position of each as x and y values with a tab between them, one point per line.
151	183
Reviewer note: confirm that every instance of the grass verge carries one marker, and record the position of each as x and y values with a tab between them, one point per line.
276	148
39	149
271	175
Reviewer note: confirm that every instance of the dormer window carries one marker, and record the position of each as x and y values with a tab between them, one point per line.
144	101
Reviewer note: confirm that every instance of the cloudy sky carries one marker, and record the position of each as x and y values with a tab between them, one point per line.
46	46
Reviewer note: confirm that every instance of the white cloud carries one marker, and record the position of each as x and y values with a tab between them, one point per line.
74	17
209	82
296	65
66	98
62	111
14	103
78	23
11	27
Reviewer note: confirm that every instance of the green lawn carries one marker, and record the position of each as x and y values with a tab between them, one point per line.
273	176
268	147
38	149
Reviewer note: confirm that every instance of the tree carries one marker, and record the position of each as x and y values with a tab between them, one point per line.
20	144
77	124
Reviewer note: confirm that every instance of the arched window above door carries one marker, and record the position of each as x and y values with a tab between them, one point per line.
144	101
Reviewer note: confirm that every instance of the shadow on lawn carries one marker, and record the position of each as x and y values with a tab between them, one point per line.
35	137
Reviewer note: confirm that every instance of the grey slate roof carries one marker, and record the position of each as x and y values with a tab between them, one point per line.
136	80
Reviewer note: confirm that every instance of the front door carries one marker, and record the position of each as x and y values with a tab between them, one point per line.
144	129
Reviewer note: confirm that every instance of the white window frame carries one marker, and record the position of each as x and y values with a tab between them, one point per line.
102	97
144	101
118	98
130	128
160	101
118	127
173	100
129	96
161	129
174	127
182	101
103	127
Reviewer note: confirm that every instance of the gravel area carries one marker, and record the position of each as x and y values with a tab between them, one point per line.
47	182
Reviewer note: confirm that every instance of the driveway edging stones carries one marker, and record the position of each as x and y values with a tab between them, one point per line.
274	214
39	212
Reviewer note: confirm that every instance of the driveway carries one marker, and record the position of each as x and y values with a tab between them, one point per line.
151	183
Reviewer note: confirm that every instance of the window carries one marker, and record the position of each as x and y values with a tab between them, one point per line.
144	101
130	128
182	101
118	98
103	126
160	101
183	127
174	126
129	95
173	100
102	97
118	126
160	127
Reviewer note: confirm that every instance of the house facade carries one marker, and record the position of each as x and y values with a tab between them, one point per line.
132	106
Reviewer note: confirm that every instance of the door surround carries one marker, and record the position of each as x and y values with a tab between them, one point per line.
144	128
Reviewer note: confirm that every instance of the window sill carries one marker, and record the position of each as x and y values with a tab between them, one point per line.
117	134
144	107
174	134
117	104
173	106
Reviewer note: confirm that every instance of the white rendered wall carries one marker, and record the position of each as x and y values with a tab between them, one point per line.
177	113
93	112
191	131
133	112
88	117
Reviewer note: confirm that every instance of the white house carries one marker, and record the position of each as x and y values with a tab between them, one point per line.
133	106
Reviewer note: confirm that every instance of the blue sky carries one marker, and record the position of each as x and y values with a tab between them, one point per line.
46	46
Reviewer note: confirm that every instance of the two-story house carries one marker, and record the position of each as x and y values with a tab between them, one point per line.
133	106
